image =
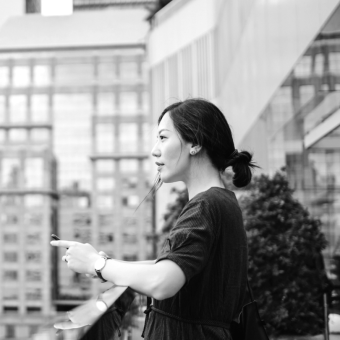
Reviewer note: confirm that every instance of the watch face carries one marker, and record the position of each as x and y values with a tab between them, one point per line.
100	263
101	305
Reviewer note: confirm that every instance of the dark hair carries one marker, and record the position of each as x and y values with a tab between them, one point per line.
202	123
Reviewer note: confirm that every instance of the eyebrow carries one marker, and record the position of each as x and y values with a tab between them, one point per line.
162	130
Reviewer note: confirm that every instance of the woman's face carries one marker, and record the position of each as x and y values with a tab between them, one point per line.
172	153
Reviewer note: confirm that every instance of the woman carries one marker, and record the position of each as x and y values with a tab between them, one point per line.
198	282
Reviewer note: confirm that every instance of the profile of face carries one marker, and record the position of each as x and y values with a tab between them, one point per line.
172	152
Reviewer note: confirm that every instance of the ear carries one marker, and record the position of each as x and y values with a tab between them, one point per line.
195	149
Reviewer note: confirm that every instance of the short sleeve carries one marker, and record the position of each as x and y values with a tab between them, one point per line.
191	239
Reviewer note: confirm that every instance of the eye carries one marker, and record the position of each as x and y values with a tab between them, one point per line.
162	137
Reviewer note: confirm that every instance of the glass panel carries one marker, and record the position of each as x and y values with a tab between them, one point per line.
334	62
104	137
72	139
128	70
2	109
145	102
74	73
10	256
33	218
105	166
128	103
105	184
17	135
4	76
10	174
104	201
106	72
130	201
39	108
105	104
33	294
105	237
21	76
33	275
10	275
2	135
40	135
10	200
319	64
33	237
9	218
304	67
128	165
128	133
34	172
105	220
146	137
10	238
41	75
18	108
33	256
33	201
10	293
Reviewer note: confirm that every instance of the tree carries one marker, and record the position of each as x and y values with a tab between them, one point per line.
285	262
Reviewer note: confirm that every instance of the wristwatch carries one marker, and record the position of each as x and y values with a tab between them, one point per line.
99	266
101	304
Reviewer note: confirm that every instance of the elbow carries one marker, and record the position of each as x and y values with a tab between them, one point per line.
163	289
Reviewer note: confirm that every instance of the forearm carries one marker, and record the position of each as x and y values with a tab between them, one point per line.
160	281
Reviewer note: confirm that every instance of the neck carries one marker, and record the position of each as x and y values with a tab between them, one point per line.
202	178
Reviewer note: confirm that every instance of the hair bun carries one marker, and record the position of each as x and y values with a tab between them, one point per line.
242	164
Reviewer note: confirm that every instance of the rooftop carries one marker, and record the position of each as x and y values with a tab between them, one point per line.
88	29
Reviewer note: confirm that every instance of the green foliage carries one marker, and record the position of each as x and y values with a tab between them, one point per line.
285	262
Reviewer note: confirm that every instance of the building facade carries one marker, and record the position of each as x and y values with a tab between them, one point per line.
272	67
74	141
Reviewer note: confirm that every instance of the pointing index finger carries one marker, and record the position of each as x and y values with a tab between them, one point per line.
63	243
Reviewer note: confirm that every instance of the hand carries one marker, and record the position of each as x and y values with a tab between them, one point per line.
80	257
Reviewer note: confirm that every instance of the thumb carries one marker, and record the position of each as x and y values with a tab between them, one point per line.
103	254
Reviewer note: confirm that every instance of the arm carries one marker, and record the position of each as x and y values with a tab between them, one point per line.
159	280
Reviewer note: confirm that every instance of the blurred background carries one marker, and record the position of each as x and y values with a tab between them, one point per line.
82	84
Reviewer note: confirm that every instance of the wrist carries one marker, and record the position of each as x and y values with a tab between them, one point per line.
92	262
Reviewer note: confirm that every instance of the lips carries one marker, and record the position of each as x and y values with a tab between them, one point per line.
160	165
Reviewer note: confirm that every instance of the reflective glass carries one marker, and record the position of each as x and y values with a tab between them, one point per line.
40	135
21	76
18	108
128	70
145	102
34	172
128	103
10	174
10	275
10	293
33	200
105	184
76	73
4	76
106	72
2	109
41	75
105	166
128	134
39	108
146	137
17	135
10	256
104	201
2	135
128	165
106	104
319	62
105	137
303	67
334	62
33	294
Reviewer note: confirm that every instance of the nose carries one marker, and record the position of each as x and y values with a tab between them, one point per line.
155	152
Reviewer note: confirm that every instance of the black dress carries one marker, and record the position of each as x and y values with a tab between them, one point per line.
209	244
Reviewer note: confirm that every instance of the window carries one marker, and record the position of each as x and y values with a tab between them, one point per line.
10	294
9	219
33	294
33	219
81	219
105	238
10	174
33	275
10	238
106	104
18	108
104	201
34	172
10	256
40	135
33	201
319	64
82	235
10	200
128	165
304	67
33	309
2	109
41	75
39	108
21	76
334	62
4	76
104	138
147	165
306	94
10	329
74	73
10	275
33	256
128	135
129	238
18	135
145	102
105	184
105	220
128	102
130	182
105	166
33	238
2	135
146	137
128	70
106	72
130	201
